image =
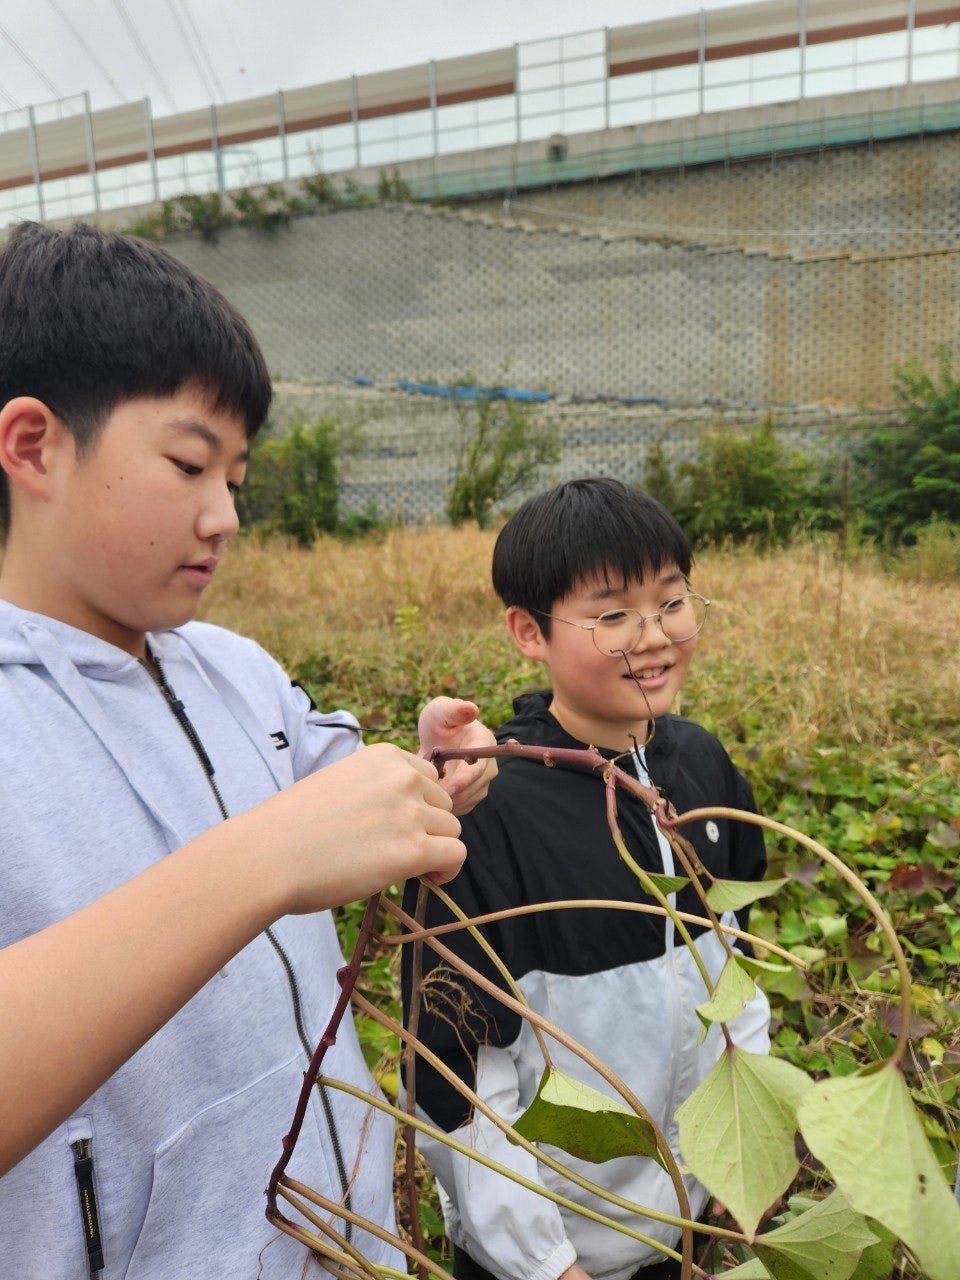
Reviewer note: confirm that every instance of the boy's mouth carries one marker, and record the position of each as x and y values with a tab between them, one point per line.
645	673
202	570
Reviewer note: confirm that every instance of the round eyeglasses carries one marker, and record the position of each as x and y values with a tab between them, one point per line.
618	631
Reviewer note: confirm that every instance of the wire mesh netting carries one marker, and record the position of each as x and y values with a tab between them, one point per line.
627	311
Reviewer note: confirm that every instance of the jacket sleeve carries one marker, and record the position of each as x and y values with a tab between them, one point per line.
511	1231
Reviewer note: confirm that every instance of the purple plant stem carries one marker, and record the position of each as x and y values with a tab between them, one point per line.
347	977
588	757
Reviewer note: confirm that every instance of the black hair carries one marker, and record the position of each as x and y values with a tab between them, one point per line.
579	530
91	318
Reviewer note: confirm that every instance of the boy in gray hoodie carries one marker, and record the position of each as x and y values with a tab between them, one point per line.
177	817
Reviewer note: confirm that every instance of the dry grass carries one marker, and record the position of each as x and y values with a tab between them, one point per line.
796	648
293	600
844	650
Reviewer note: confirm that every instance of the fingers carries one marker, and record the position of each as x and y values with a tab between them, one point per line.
442	719
467	784
433	789
452	724
373	819
426	834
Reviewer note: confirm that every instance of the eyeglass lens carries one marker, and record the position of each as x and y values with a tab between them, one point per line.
620	629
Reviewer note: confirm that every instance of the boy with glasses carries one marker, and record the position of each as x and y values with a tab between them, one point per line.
595	577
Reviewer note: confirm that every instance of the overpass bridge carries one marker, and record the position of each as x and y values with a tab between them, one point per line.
769	77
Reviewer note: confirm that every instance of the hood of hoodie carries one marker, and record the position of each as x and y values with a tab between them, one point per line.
75	702
25	638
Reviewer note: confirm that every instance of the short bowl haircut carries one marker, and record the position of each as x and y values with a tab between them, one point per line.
596	527
91	318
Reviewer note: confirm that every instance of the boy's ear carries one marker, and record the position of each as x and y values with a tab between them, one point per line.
526	633
30	433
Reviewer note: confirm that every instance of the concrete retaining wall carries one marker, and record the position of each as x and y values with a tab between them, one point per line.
793	285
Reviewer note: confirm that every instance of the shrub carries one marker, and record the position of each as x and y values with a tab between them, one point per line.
502	450
271	209
739	488
659	480
392	187
319	190
291	485
208	214
934	555
908	475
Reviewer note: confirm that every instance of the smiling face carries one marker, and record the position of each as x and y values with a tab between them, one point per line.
131	531
597	698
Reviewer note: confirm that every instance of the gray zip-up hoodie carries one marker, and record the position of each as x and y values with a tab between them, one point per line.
98	780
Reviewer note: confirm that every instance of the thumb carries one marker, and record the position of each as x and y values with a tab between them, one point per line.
446	713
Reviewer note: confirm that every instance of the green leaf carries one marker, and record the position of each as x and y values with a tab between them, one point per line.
876	1262
865	1130
733	992
825	1243
753	965
668	884
833	929
943	836
731	895
737	1131
752	1270
584	1122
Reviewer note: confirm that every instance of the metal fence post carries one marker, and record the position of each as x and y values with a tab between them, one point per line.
282	134
606	77
803	49
215	148
355	117
91	153
151	150
35	161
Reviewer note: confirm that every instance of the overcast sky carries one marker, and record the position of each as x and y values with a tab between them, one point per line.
184	54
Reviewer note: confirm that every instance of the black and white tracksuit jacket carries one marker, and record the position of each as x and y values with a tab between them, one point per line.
622	983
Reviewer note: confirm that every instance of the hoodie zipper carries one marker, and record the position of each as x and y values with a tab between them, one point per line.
82	1150
180	714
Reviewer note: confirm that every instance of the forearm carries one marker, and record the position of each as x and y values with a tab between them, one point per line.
83	995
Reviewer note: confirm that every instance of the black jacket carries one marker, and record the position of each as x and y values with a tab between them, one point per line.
603	975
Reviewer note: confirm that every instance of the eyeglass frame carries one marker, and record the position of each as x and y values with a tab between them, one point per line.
644	619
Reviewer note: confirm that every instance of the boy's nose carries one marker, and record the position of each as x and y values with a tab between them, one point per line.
219	520
652	635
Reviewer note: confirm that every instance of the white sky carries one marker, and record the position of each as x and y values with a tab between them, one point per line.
184	54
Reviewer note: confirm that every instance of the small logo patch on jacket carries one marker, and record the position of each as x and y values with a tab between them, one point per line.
280	740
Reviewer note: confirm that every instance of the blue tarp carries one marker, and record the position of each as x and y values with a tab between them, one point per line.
460	391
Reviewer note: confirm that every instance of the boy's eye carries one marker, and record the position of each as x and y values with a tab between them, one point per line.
613	618
187	468
674	605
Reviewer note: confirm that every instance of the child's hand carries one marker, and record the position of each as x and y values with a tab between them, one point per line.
375	818
452	724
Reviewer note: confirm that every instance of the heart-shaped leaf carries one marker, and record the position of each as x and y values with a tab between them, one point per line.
865	1129
731	895
737	1131
584	1122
